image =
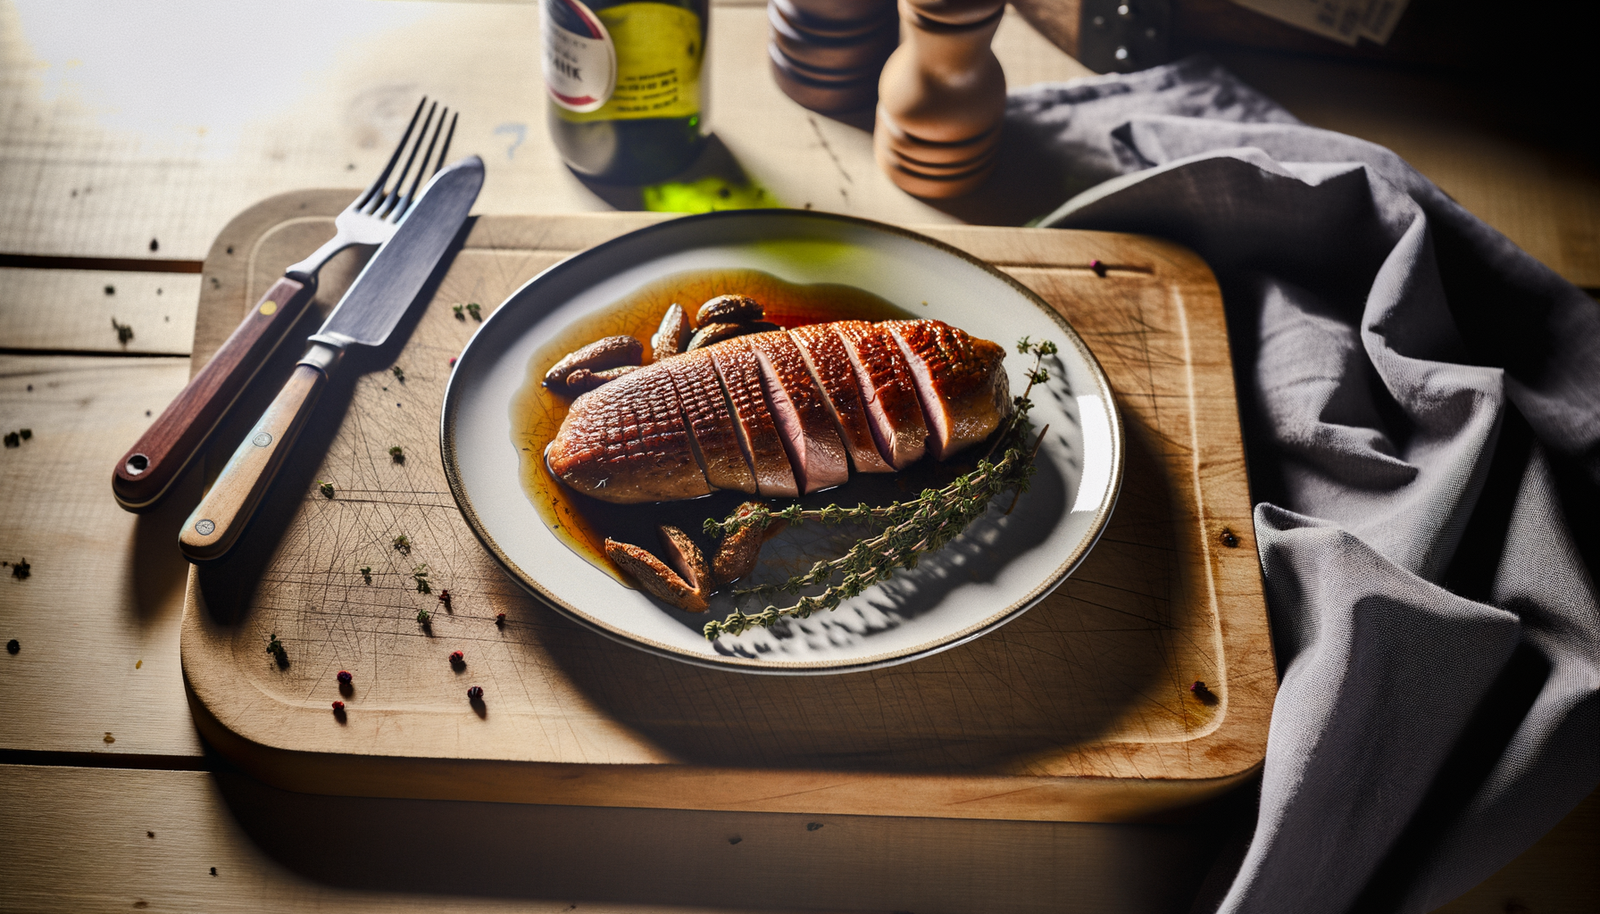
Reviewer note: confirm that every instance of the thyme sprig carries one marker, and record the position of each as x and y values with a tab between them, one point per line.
912	528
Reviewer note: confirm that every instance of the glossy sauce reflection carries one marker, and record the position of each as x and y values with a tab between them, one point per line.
584	523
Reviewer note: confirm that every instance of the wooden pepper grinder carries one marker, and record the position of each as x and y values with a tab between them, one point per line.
941	98
827	54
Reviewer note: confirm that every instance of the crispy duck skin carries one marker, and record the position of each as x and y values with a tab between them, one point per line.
830	365
773	412
963	389
889	390
715	437
741	379
815	451
626	442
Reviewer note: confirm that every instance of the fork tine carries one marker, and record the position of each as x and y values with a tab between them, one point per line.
422	172
389	202
376	187
445	150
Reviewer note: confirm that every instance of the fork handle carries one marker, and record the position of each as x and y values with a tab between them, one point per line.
222	514
146	472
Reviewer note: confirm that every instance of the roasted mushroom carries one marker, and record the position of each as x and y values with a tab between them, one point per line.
611	352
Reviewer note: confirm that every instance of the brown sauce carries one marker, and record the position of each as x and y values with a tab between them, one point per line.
584	523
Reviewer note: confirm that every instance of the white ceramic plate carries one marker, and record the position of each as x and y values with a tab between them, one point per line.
997	569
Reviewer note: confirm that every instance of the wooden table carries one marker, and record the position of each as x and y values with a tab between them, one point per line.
128	139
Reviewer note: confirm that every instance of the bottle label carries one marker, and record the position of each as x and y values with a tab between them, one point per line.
580	60
655	52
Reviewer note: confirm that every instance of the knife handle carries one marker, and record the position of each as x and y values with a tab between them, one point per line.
216	523
158	458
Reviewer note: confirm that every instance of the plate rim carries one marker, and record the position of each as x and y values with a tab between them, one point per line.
447	450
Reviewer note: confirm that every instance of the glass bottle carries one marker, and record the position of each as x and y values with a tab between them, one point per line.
626	85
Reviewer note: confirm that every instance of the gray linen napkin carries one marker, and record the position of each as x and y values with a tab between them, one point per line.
1421	402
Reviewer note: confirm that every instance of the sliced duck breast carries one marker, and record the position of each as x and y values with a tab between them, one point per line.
964	390
705	409
741	378
830	365
626	442
816	454
887	387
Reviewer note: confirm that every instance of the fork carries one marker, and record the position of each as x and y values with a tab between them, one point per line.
147	471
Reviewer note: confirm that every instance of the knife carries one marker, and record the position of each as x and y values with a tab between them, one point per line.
147	471
366	316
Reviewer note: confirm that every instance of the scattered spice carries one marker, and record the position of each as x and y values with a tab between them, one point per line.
499	619
111	290
326	488
150	834
25	434
402	544
108	739
344	677
13	646
734	839
444	597
475	694
1200	691
424	617
366	573
457	658
124	332
1229	538
420	575
21	570
338	706
276	649
1098	267
397	454
813	826
155	245
472	309
213	871
13	439
399	373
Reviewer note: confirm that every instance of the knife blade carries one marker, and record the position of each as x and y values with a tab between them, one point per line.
366	316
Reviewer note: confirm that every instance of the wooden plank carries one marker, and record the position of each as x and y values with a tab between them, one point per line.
580	720
104	150
74	310
97	617
298	852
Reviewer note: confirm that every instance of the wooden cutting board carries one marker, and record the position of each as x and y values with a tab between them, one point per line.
1079	710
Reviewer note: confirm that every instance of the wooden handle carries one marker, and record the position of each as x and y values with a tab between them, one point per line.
211	530
148	469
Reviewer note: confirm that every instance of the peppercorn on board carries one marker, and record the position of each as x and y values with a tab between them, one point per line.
1085	708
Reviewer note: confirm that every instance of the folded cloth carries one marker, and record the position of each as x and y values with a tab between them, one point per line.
1421	406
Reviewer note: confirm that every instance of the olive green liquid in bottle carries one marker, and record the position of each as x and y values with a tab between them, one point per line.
626	85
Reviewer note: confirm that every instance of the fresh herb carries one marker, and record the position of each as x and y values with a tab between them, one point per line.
397	454
402	544
366	573
275	648
124	332
912	528
457	310
326	488
399	373
472	309
424	617
21	569
420	575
